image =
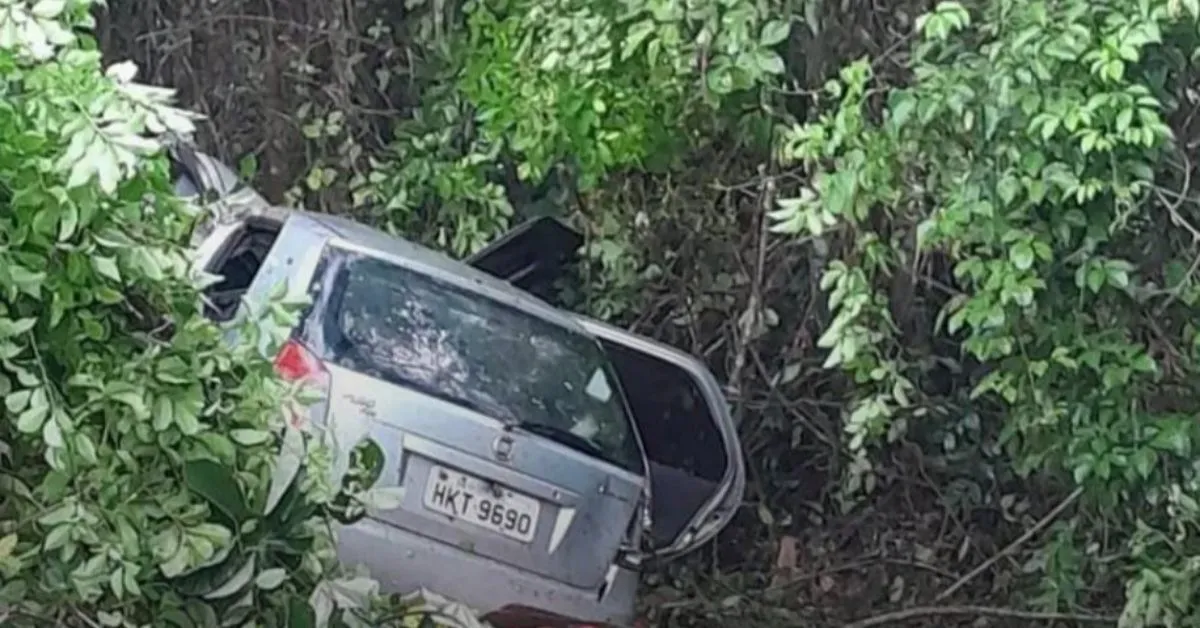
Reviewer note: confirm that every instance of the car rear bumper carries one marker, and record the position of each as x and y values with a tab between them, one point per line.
403	562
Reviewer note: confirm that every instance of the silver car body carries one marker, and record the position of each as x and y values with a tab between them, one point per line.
585	523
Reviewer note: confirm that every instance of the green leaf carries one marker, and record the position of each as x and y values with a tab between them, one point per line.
1144	461
18	401
250	437
85	448
1096	276
1118	277
902	104
236	583
32	419
203	614
1021	255
10	328
287	466
1007	188
69	221
1172	436
1124	119
176	618
134	400
163	414
216	484
636	36
769	62
300	614
549	62
7	545
271	578
354	592
57	537
107	267
774	32
52	433
147	263
186	418
720	80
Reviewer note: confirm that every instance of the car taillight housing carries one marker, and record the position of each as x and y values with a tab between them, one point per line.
295	363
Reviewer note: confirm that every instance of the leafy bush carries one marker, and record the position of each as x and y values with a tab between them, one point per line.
543	101
1031	156
142	477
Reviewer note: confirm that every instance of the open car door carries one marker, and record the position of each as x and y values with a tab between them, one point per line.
531	256
697	473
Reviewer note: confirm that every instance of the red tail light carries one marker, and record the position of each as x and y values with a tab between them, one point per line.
295	362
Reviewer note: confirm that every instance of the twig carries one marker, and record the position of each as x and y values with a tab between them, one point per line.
1011	547
985	611
916	564
1174	292
821	433
1173	210
87	620
746	334
1178	219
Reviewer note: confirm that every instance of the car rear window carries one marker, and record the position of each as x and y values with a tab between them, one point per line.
411	329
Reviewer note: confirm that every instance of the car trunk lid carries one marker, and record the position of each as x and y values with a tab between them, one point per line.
461	474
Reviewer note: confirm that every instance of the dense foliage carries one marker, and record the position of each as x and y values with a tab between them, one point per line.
557	97
985	229
142	478
1031	158
1013	217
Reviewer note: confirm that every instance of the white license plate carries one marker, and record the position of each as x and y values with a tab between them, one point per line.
474	501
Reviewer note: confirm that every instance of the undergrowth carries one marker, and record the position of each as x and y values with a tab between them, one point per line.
1030	172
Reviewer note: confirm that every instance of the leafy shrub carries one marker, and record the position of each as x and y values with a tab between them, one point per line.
141	469
1031	156
565	94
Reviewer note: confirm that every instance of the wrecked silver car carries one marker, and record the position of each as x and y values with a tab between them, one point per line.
540	456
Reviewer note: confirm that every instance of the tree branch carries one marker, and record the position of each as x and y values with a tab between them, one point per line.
1011	547
983	611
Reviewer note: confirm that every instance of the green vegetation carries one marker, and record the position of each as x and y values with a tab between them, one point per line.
1030	157
139	451
949	251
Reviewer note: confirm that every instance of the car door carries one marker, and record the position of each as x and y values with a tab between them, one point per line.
531	256
695	462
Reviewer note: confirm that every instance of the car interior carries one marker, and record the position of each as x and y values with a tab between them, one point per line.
243	254
237	263
685	448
